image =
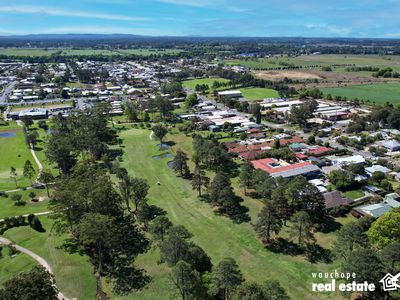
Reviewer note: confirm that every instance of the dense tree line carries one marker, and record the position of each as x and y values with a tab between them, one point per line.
87	205
83	134
386	115
370	248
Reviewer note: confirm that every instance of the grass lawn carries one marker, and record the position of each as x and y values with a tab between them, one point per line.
355	194
258	93
73	272
191	84
14	152
11	266
378	93
8	209
217	235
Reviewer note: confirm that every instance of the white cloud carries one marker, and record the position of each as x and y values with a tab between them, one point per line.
53	11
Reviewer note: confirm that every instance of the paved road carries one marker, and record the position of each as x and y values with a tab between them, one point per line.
7	90
36	257
43	213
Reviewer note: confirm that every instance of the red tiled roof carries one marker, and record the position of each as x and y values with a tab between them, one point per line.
249	155
301	156
254	130
254	147
292	140
230	145
264	164
238	149
319	151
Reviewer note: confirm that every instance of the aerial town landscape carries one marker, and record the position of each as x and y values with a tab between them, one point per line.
173	166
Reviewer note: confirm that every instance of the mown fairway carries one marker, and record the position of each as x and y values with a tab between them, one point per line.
13	153
73	272
217	235
378	93
9	209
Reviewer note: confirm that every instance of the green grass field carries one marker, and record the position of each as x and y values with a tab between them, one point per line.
217	235
14	153
8	209
378	93
191	84
73	273
259	93
322	60
27	51
12	266
37	52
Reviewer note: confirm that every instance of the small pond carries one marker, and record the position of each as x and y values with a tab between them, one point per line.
163	146
170	164
164	155
7	134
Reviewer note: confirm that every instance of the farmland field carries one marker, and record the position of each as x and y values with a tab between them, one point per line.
320	60
27	51
378	93
36	52
259	93
191	84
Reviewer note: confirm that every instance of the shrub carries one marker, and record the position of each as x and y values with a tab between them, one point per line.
16	197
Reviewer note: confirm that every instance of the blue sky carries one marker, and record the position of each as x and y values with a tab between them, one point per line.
311	18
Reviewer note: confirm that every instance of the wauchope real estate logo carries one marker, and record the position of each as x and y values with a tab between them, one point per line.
389	282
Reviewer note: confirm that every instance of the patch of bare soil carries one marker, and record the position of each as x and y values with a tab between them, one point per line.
291	74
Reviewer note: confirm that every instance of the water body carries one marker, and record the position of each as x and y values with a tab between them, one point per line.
170	164
164	155
7	134
163	146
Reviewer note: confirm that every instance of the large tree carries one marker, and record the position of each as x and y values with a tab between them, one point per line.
186	280
131	111
350	237
301	228
269	290
34	284
386	229
225	278
159	227
95	231
246	175
87	205
46	177
29	171
160	132
199	179
179	163
269	222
